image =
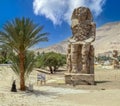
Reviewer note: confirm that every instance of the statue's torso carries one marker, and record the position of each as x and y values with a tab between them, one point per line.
81	31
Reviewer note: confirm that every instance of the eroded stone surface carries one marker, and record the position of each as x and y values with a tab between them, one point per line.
80	54
115	60
79	79
80	51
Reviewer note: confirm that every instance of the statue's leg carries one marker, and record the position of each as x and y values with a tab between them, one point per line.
91	59
69	67
85	59
74	57
79	58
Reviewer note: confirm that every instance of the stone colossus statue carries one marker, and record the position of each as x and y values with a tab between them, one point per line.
80	56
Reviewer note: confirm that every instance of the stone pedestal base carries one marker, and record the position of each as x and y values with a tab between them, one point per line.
79	79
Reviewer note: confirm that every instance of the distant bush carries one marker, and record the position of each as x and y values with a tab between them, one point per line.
51	60
102	58
5	54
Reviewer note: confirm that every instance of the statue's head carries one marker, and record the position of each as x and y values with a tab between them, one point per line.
82	14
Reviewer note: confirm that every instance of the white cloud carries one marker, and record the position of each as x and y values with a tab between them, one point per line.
60	10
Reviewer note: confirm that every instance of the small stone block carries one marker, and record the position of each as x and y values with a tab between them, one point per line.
79	79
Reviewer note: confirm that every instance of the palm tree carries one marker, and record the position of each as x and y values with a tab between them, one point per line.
28	64
19	35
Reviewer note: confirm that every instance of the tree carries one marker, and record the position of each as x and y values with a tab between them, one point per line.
51	60
19	35
28	64
5	53
40	60
102	59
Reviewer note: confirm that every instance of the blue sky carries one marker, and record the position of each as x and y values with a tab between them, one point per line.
55	14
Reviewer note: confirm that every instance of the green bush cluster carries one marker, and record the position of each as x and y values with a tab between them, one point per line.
51	60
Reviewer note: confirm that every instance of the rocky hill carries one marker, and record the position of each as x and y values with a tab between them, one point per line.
107	39
59	48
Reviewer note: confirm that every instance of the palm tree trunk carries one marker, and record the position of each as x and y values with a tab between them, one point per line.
22	80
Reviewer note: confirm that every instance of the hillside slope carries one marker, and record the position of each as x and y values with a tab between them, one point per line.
107	39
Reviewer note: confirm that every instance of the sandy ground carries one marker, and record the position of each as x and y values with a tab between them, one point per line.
106	92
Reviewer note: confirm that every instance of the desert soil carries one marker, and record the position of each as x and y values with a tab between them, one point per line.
106	92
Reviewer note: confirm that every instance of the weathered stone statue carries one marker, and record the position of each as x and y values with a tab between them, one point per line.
115	60
80	56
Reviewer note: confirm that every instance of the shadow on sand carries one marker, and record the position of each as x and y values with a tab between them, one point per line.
38	93
99	82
